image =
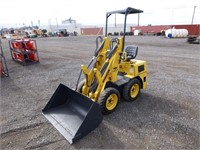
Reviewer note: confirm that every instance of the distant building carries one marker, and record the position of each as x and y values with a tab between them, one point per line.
155	30
69	24
69	21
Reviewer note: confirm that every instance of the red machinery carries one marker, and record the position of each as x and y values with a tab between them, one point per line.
24	51
3	65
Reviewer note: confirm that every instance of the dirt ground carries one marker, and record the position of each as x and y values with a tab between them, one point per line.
165	115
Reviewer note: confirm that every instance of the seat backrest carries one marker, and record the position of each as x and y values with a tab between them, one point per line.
131	51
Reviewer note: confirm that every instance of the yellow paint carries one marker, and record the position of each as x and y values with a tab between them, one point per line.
134	90
111	101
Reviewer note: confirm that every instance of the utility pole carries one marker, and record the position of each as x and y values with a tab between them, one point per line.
50	24
115	21
39	23
31	23
138	19
57	23
193	14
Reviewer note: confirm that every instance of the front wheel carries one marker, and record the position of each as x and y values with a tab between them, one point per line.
131	90
109	100
80	86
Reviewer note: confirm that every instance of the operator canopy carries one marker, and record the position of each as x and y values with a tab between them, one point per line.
127	11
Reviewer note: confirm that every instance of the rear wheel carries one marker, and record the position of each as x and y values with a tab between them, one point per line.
131	90
109	100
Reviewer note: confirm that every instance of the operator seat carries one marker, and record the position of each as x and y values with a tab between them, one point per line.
131	51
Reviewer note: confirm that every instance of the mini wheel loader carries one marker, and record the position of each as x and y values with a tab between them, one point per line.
114	73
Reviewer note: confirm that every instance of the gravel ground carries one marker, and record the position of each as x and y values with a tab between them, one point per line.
165	115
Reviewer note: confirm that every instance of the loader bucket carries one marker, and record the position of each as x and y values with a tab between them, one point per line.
72	114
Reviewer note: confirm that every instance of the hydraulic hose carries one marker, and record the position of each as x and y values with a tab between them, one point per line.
99	39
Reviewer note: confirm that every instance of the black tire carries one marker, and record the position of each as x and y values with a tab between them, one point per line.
109	100
131	90
80	86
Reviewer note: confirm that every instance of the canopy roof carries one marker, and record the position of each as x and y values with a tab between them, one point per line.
127	11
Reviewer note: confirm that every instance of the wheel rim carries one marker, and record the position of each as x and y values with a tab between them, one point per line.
111	101
134	90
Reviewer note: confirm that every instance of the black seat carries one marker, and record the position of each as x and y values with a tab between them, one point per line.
131	51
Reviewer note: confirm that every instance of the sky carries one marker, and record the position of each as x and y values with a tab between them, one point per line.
18	13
